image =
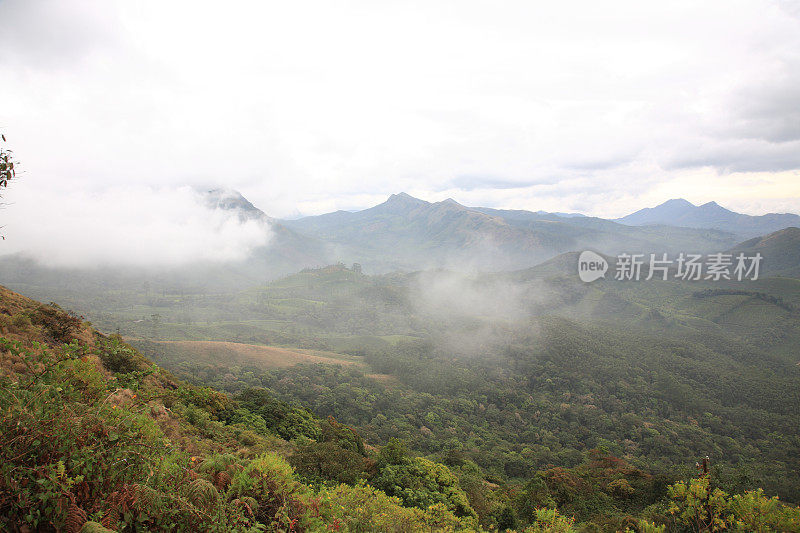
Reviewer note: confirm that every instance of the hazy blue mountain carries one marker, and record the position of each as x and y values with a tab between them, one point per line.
679	212
408	233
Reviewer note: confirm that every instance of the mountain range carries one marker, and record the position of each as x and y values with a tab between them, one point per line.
407	233
411	234
680	212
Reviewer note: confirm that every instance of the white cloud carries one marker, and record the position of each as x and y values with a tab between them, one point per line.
125	226
313	106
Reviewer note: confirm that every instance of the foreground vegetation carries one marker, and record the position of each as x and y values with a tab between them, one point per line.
95	437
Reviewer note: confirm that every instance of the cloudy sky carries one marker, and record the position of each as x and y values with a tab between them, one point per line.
307	106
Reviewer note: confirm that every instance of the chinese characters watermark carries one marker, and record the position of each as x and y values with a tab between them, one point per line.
688	267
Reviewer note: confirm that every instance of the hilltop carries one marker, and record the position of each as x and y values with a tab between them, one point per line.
781	252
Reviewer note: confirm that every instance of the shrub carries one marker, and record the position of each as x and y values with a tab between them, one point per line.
21	321
59	327
119	358
421	483
364	509
697	505
550	521
270	481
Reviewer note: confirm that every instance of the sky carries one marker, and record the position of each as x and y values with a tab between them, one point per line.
307	107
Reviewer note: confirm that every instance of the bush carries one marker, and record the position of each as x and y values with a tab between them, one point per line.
697	505
68	454
270	481
364	509
59	439
59	327
421	483
119	358
550	521
21	321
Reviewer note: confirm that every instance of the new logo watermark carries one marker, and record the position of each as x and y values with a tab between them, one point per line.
591	266
688	267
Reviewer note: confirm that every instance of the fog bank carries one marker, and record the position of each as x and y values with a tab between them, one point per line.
124	226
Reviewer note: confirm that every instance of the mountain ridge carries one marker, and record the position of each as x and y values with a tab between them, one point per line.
711	215
409	233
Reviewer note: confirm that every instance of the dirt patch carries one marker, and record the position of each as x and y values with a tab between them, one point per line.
382	378
220	352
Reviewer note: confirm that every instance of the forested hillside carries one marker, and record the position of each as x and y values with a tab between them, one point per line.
96	438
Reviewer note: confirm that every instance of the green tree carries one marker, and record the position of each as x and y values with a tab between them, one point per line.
8	165
421	483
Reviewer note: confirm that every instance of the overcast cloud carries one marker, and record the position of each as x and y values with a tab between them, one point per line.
307	107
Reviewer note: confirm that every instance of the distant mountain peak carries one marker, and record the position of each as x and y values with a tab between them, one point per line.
221	192
232	200
403	200
403	196
450	201
714	205
676	202
223	198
